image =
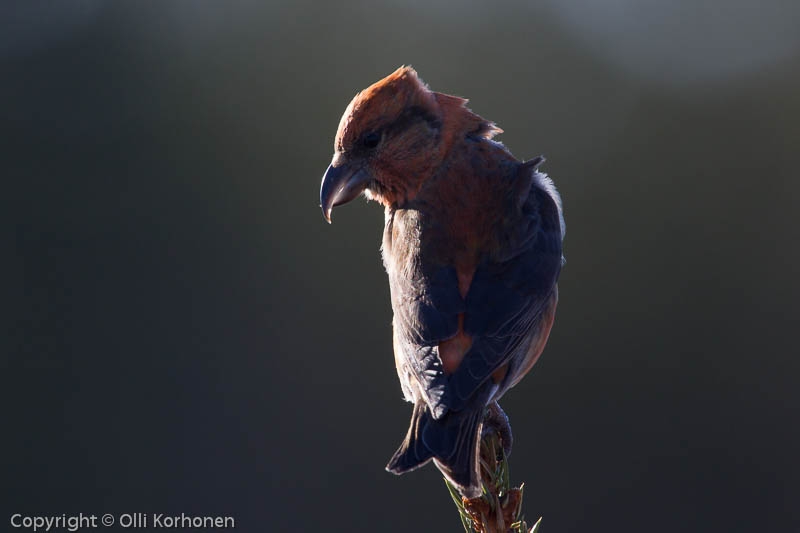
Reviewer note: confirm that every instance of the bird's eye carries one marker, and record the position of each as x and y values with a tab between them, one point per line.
371	139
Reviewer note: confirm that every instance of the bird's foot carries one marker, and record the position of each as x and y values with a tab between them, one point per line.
497	421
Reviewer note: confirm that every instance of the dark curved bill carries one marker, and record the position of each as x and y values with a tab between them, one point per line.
340	185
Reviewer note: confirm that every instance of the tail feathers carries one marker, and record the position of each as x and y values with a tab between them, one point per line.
452	441
412	453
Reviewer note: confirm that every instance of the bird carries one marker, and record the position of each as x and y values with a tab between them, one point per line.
472	246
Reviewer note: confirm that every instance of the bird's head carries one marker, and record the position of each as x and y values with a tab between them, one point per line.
391	139
386	145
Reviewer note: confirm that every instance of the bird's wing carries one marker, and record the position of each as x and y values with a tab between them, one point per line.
508	296
426	305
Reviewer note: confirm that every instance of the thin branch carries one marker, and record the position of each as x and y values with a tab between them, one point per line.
499	508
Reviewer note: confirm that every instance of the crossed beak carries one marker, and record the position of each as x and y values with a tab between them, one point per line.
341	183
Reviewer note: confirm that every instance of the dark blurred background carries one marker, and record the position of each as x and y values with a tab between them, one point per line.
185	333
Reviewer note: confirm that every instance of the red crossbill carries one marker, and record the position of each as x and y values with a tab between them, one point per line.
472	248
